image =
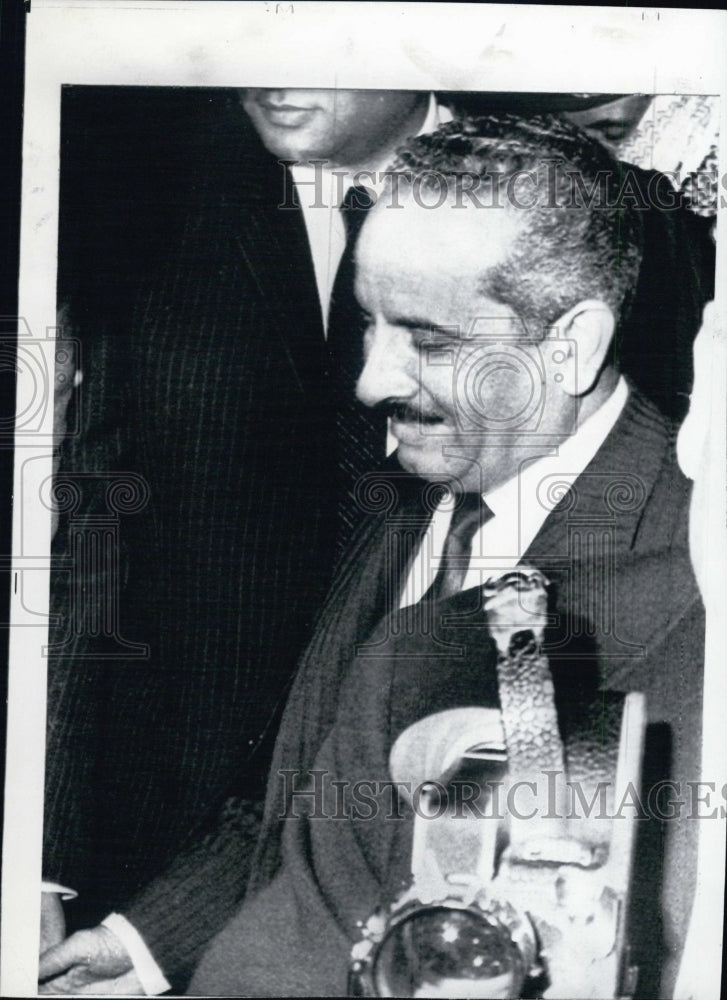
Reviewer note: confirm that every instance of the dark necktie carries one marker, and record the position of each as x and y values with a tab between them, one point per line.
360	433
471	513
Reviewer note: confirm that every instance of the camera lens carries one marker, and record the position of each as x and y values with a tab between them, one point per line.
444	951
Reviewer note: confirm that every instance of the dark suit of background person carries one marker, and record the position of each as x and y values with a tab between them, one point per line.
214	394
115	818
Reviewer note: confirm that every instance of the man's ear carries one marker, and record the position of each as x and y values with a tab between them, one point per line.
587	330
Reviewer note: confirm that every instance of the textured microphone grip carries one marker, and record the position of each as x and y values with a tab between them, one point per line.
516	601
516	607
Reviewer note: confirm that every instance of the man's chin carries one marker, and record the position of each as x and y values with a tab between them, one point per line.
433	466
419	462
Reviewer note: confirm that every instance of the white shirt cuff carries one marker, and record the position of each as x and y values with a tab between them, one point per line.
62	890
151	977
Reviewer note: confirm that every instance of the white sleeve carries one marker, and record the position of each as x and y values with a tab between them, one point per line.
62	890
150	975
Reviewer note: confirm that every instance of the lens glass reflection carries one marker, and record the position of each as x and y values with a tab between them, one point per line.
442	951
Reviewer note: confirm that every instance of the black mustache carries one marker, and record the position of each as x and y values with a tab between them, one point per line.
406	413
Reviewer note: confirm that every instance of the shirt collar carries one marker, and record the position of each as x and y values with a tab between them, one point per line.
571	458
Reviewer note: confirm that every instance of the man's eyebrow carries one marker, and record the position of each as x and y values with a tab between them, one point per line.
417	323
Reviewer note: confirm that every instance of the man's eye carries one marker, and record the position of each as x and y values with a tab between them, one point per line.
424	339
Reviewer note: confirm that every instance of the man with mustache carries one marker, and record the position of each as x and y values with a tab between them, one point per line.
281	439
488	344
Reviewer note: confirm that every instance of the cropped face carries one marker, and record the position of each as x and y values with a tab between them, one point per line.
612	123
349	128
467	395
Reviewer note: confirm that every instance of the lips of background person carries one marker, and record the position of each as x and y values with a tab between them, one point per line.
274	105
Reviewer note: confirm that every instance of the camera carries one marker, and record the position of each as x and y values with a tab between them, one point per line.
499	379
512	894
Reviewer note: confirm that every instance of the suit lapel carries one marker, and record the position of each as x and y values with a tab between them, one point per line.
614	489
272	243
275	250
366	587
605	556
598	530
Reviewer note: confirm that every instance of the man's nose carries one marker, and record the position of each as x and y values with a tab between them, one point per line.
389	370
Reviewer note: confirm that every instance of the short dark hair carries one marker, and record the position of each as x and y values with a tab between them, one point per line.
578	238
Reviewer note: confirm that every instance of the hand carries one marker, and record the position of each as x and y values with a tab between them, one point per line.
91	961
52	920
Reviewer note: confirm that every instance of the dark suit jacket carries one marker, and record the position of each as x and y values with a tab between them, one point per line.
628	617
212	403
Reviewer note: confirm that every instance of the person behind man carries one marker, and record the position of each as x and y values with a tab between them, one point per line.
488	346
220	397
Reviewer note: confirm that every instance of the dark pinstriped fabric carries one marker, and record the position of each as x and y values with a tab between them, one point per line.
361	431
216	397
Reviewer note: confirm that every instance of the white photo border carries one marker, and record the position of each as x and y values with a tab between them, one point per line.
385	45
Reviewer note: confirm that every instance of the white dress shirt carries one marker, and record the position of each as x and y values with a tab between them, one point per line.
519	506
320	192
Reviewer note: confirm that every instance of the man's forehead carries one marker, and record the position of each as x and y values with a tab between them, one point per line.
453	238
428	274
